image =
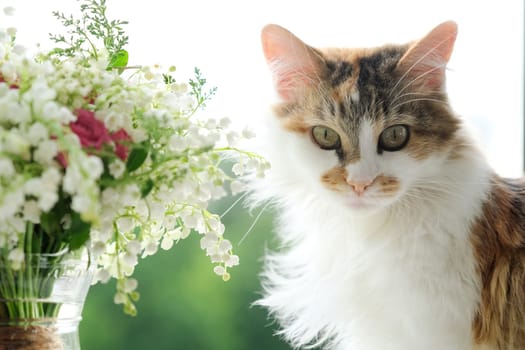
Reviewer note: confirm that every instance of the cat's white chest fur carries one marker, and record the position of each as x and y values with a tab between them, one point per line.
397	284
401	279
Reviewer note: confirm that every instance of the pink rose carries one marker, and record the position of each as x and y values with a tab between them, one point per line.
91	131
120	138
93	134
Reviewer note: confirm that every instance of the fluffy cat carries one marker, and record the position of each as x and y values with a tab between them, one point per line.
396	234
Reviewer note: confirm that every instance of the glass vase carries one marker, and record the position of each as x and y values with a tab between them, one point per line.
41	301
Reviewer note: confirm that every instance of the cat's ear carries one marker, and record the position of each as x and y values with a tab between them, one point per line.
295	65
425	61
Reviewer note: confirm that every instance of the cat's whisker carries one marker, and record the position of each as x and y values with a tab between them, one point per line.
421	59
418	100
429	190
452	182
400	96
237	201
255	221
422	75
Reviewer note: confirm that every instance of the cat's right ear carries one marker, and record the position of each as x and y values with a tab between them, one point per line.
295	65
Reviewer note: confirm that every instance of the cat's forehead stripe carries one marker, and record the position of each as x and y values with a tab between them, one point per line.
339	71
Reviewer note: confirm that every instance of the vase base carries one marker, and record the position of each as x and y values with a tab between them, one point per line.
29	338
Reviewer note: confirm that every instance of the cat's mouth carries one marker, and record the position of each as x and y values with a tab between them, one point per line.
368	201
360	202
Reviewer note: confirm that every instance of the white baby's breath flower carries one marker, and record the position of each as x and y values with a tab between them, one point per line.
46	152
7	169
47	200
117	168
219	270
252	164
11	202
94	166
215	225
185	232
64	115
37	133
120	298
39	95
16	113
81	203
51	177
225	122
237	187
170	237
134	247
238	169
209	241
129	260
130	285
130	194
102	276
218	192
113	120
8	70
180	89
98	248
16	144
126	224
110	196
150	245
11	31
19	50
248	133
224	246
16	258
33	186
9	10
232	260
190	220
72	178
233	138
31	211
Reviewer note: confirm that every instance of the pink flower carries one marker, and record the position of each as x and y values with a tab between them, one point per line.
120	138
12	86
93	134
62	159
91	131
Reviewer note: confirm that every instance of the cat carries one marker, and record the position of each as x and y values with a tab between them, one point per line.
396	234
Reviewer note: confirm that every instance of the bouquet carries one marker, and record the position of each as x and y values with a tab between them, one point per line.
100	156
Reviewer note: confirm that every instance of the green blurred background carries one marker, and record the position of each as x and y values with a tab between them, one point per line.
183	304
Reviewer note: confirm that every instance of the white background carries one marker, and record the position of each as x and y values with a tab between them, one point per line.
223	38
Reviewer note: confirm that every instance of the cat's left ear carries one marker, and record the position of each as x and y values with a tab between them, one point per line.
295	65
425	61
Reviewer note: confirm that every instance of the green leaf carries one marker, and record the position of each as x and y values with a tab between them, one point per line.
136	158
118	60
146	188
137	230
78	232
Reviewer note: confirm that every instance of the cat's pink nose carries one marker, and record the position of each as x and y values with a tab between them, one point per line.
359	187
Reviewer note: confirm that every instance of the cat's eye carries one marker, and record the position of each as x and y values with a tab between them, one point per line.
394	138
325	137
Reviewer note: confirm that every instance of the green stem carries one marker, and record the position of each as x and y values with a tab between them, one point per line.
27	292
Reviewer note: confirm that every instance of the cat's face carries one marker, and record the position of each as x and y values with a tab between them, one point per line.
375	124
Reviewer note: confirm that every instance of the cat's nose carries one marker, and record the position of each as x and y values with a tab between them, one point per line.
359	187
